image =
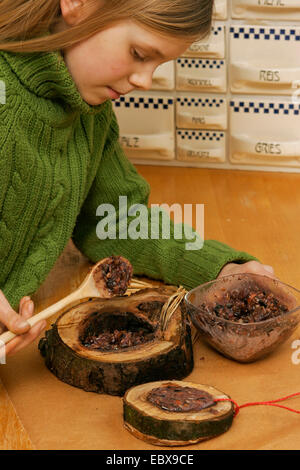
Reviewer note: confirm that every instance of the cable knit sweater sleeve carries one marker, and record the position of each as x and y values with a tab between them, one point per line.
164	259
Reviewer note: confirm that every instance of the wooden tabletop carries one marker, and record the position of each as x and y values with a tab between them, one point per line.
257	212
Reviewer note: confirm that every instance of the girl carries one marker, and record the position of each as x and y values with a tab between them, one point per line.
61	64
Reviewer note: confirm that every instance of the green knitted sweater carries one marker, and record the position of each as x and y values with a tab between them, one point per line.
59	160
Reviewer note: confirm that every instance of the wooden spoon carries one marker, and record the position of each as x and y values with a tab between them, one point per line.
108	278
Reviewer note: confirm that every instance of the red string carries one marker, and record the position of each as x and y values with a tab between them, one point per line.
254	403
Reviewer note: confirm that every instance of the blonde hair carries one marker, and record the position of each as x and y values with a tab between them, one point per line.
25	23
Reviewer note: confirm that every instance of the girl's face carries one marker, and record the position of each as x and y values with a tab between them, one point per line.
118	60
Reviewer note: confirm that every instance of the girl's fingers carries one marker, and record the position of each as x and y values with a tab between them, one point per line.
27	309
9	347
23	340
22	301
12	320
250	267
268	268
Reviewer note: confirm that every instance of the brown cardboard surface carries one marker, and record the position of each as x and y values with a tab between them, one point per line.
257	212
59	416
12	432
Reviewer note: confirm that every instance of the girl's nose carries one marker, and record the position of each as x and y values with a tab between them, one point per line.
141	80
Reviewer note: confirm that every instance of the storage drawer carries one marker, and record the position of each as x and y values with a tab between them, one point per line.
201	146
147	125
194	112
203	75
265	132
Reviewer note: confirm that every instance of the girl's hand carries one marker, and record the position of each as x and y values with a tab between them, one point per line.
16	322
250	267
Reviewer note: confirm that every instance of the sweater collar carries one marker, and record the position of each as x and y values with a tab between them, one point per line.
46	75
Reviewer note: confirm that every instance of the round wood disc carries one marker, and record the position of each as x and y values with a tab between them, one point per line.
160	427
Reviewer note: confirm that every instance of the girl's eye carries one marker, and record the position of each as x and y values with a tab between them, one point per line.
138	56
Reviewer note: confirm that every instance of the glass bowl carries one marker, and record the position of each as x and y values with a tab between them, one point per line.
240	338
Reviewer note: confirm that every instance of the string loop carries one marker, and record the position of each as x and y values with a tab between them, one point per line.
254	403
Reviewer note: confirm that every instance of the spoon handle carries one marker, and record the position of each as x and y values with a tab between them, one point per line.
44	314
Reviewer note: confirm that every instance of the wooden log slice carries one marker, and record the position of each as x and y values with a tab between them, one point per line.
71	349
159	426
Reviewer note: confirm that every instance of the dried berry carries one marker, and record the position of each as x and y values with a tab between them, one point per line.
116	272
118	339
248	307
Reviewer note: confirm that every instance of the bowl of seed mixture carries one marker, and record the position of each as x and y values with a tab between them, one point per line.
244	316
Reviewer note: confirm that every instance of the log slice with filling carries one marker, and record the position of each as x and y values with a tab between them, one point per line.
110	345
176	413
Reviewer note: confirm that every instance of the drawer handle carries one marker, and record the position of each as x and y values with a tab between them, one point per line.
265	75
162	143
207	119
252	5
266	147
212	152
206	82
162	81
